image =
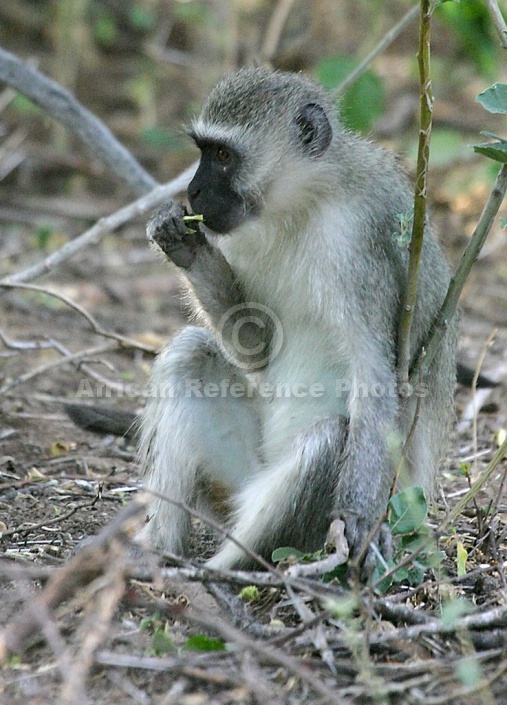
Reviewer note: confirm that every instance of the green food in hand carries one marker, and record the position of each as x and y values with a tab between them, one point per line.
194	218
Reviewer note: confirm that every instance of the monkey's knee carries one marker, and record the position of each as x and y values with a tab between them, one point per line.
198	443
192	354
289	503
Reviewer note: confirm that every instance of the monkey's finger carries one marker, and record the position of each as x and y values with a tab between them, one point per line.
166	222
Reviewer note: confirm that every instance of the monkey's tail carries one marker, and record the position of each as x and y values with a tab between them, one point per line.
103	420
465	376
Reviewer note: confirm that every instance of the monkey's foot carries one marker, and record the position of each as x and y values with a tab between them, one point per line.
369	543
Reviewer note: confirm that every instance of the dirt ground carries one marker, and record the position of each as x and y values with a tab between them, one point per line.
60	485
125	636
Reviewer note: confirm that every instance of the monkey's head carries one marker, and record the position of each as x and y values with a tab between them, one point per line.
265	140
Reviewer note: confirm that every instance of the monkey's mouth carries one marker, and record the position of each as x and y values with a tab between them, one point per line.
223	222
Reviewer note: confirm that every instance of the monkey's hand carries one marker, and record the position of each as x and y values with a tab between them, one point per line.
178	240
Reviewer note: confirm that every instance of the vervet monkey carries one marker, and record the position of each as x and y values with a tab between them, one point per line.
284	398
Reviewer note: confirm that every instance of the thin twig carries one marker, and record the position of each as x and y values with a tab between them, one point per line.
99	614
91	352
53	344
468	259
421	190
498	21
381	46
103	226
63	106
262	650
316	632
90	562
451	516
477	372
275	29
96	327
56	520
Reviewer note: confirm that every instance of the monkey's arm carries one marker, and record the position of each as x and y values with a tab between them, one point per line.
245	333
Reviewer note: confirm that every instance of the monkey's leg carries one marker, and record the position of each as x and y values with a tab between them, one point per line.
289	504
197	434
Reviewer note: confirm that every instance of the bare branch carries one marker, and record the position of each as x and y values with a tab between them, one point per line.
381	46
22	379
468	259
96	327
421	193
63	106
498	21
275	29
103	226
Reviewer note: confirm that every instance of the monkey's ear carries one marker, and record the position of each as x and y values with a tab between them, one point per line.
315	131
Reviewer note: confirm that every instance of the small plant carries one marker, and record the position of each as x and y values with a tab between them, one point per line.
407	512
161	642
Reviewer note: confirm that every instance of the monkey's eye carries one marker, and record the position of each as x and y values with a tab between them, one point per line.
221	154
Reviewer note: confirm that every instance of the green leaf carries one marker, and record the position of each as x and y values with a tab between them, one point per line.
284	553
142	18
339	573
105	31
494	99
161	642
493	150
492	136
461	559
44	233
472	27
415	575
192	12
201	642
453	610
158	137
408	511
411	542
24	105
363	102
250	593
380	570
469	671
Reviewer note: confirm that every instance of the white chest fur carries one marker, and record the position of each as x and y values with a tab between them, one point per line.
289	273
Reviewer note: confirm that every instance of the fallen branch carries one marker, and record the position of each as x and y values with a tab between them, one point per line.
89	563
104	226
96	327
70	359
63	106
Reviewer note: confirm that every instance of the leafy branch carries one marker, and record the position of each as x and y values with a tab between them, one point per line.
494	99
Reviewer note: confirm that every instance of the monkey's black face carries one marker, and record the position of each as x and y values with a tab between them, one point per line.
211	192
